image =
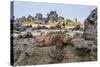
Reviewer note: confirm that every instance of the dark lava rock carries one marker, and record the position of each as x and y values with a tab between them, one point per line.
86	47
27	35
76	27
90	30
36	55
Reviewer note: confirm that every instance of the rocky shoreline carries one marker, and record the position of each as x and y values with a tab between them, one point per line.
57	47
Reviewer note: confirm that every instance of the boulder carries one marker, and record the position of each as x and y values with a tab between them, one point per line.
76	28
27	35
90	24
86	46
82	43
84	50
37	55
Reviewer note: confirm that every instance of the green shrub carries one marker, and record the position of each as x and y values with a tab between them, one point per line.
72	23
52	23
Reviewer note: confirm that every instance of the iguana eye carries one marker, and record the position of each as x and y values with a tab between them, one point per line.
68	35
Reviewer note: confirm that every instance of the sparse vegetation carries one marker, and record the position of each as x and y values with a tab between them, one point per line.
52	19
72	23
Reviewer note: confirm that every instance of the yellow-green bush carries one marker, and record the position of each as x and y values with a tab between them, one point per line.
52	23
72	23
